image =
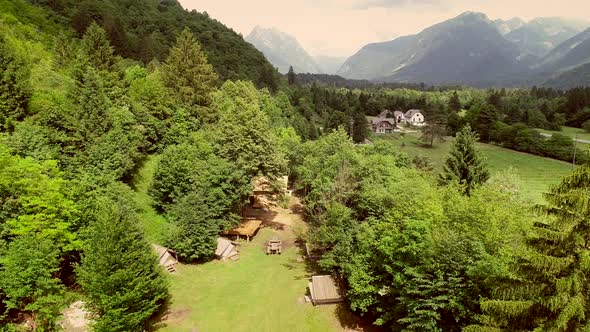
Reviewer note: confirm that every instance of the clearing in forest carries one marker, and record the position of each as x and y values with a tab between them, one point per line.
258	292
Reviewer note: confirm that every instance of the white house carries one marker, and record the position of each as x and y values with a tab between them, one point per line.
414	117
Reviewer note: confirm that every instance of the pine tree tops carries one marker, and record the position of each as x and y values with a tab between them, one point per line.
455	103
96	48
551	290
465	164
15	88
188	73
291	76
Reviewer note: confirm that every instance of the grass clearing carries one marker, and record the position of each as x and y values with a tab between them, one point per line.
153	224
256	293
537	173
569	131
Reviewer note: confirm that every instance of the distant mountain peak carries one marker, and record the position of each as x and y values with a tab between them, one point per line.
282	50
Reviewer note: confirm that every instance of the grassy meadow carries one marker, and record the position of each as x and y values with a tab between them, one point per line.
569	131
255	293
536	173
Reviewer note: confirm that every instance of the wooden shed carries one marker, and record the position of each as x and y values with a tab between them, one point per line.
323	290
247	229
166	257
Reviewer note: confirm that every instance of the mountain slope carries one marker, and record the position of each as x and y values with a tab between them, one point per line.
541	35
467	49
579	76
571	53
509	25
282	50
145	29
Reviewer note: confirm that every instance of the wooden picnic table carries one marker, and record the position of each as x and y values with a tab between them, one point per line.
274	247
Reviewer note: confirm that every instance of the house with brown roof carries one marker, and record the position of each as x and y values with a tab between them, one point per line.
384	123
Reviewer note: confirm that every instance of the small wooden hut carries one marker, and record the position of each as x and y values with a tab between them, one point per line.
323	290
246	229
166	257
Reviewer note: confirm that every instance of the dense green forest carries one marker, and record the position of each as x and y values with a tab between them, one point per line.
90	89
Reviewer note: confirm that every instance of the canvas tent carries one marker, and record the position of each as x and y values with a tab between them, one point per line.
323	290
166	257
226	250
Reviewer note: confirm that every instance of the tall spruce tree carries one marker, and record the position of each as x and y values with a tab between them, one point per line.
454	103
15	90
188	73
96	48
360	127
551	291
465	164
119	271
291	77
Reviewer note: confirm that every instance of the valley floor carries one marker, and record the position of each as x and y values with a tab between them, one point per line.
536	173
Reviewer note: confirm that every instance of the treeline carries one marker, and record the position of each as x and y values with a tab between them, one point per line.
461	252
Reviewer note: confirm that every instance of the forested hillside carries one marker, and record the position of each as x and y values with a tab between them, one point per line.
145	30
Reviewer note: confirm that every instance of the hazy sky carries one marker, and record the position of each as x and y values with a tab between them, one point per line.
341	27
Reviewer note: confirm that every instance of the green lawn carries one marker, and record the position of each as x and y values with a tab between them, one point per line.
570	131
153	224
537	173
256	293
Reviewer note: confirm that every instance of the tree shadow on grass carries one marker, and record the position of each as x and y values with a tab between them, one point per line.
267	216
351	321
166	315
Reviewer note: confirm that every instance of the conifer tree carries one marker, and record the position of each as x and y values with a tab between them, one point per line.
465	164
119	271
291	77
454	103
96	48
188	73
15	90
551	291
360	127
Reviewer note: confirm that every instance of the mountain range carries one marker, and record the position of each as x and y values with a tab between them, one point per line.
282	50
471	49
468	49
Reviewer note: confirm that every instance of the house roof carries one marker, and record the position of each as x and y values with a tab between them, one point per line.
323	288
384	114
412	112
397	114
377	121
